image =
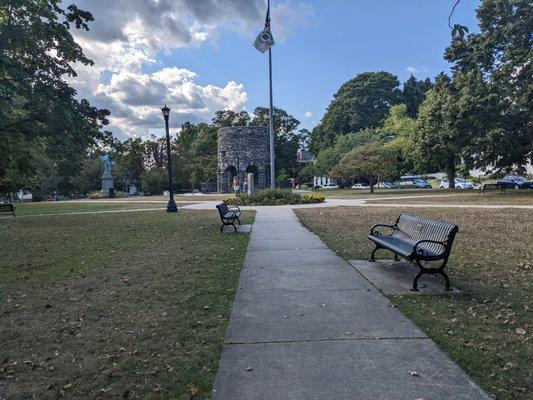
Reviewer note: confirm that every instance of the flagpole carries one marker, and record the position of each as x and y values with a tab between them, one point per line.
272	158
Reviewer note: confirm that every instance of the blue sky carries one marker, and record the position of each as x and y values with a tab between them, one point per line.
320	45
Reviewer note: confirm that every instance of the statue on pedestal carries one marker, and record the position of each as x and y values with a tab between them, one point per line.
107	178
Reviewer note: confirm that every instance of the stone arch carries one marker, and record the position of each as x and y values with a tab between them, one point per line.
226	181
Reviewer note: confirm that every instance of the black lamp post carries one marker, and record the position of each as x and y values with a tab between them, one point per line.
171	206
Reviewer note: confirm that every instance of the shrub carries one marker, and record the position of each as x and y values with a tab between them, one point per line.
274	197
310	198
97	195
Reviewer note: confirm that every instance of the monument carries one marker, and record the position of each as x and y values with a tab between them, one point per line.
107	178
241	151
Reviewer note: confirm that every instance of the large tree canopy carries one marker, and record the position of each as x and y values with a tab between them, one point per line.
503	52
38	108
413	94
360	103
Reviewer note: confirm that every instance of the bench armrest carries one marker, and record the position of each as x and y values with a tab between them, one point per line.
419	251
374	232
234	207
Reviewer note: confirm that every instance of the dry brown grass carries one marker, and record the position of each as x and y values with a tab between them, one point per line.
518	197
488	328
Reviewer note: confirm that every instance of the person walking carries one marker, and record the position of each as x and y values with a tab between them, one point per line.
236	185
245	185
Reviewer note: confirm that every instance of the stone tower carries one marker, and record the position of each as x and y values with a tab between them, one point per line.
243	150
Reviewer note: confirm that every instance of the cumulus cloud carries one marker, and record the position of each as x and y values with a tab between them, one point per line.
129	34
417	70
134	98
308	114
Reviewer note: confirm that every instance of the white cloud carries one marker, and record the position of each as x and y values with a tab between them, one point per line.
308	114
134	99
417	70
129	34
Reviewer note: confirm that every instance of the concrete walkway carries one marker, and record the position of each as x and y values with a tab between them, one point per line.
305	325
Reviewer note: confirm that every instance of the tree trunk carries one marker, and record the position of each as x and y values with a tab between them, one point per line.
371	186
451	173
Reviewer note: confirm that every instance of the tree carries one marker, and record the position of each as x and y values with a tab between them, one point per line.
195	155
89	177
36	103
439	141
287	141
228	118
370	162
330	156
413	94
399	131
502	52
154	181
130	157
360	103
46	179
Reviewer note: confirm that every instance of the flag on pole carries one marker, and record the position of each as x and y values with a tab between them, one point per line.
265	40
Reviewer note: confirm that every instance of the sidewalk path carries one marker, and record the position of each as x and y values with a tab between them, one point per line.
306	326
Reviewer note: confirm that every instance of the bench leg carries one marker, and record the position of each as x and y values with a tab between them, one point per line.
432	271
415	282
443	274
239	221
396	257
372	256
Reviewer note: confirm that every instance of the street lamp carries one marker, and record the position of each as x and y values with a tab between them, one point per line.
171	206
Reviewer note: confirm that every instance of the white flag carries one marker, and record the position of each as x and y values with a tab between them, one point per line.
265	40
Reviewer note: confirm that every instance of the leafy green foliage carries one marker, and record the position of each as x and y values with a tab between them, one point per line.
368	162
501	52
229	118
360	103
401	129
274	197
36	103
89	176
330	156
154	181
413	94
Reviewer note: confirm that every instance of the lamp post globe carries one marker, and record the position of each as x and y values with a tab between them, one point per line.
171	206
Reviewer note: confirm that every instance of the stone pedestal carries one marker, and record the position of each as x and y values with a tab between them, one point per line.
107	182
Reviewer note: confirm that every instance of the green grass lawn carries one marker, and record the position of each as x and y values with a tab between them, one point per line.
78	206
488	328
115	306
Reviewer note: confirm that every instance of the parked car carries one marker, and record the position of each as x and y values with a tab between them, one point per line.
329	186
517	182
361	186
415	183
387	185
460	183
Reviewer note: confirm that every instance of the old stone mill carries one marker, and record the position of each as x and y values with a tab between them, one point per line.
241	151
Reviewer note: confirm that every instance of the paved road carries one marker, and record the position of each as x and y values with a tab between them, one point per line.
306	326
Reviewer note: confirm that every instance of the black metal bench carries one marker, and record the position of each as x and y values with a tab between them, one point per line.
492	186
228	215
417	239
7	207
